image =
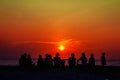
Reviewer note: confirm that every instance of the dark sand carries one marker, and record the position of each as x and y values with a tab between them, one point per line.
78	73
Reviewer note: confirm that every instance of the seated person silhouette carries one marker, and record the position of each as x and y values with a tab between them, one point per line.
83	60
57	60
72	60
91	60
40	62
103	59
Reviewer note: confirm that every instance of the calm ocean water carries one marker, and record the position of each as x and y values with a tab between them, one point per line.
14	62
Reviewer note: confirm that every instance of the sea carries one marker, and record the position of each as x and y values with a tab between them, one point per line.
15	62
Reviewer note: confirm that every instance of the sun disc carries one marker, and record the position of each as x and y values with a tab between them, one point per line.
61	47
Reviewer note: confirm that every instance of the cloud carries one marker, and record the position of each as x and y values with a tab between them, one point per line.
48	42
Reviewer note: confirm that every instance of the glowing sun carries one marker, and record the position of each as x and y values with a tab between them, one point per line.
61	47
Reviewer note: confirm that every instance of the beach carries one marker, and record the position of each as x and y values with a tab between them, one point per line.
77	73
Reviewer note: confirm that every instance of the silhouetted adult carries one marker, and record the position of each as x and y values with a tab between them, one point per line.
21	60
83	59
29	60
24	59
48	61
72	60
103	59
40	62
63	63
57	60
91	60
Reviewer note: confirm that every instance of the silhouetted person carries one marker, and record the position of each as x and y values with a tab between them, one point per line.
62	63
91	60
72	60
57	60
40	62
83	59
48	61
29	60
23	60
20	60
103	59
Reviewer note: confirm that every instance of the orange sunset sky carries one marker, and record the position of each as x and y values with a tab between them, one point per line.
41	26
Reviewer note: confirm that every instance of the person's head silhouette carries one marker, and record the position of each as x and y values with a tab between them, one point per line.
50	56
83	54
92	55
47	55
40	56
72	55
103	54
57	54
29	56
25	54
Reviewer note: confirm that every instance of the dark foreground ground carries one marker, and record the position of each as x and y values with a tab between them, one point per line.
78	73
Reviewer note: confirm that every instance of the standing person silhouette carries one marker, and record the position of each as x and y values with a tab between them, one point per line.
91	60
48	61
29	60
103	59
72	60
40	62
83	59
23	60
62	63
57	60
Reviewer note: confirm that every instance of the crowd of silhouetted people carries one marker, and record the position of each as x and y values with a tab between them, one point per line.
26	60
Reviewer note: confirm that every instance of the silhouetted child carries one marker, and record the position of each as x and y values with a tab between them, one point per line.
91	60
83	59
40	62
57	60
72	60
103	59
